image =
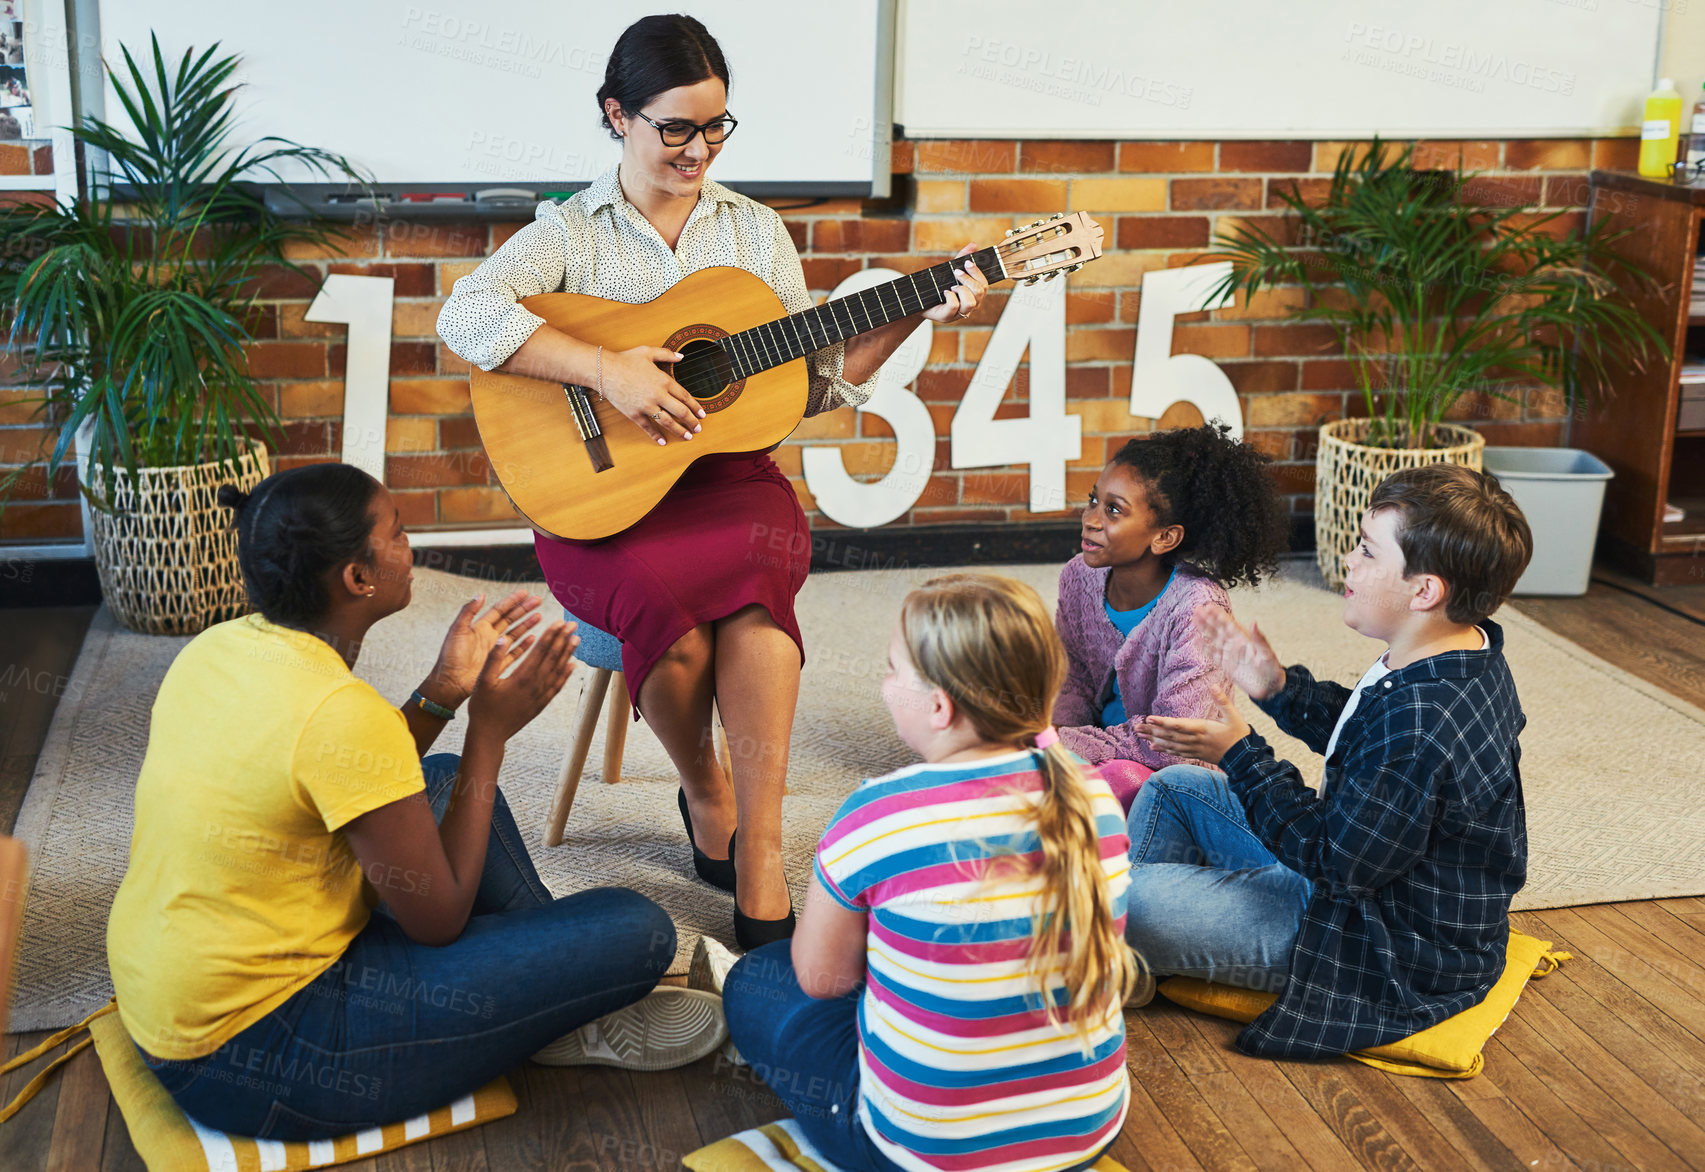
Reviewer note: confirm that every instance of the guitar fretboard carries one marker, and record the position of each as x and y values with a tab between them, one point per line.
798	334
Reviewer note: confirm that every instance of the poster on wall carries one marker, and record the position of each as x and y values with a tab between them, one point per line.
16	114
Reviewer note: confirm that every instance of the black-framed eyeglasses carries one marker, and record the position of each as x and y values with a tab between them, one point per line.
678	132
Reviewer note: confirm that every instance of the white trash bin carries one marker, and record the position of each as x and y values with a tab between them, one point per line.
1561	491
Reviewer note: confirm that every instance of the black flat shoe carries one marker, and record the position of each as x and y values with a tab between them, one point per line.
716	872
750	933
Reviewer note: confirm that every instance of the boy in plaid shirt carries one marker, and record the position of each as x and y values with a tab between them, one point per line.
1378	907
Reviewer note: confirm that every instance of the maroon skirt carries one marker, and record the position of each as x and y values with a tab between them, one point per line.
729	534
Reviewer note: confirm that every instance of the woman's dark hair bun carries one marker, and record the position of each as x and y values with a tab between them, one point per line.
296	525
655	54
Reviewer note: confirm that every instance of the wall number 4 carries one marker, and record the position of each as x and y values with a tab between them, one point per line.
1048	438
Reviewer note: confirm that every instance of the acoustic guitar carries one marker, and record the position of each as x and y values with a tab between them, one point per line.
575	467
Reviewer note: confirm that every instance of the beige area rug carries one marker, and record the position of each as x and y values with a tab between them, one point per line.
1614	768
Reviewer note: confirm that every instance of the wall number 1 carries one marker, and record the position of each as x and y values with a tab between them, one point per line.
364	304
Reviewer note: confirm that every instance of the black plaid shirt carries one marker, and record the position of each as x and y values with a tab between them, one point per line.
1414	852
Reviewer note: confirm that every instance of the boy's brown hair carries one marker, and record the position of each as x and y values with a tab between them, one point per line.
1462	526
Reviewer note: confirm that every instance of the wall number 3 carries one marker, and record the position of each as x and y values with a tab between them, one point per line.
1049	438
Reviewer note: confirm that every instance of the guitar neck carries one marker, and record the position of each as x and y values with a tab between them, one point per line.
798	334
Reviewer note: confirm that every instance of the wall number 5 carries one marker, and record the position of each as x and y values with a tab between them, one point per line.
1160	378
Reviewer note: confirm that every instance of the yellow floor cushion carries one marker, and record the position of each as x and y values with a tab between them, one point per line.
1450	1049
167	1139
778	1146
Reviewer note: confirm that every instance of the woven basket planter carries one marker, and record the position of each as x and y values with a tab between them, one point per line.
1346	471
167	552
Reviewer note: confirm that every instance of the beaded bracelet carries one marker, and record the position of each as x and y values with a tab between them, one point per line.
432	708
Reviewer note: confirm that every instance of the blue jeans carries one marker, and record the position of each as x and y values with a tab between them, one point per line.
395	1029
806	1050
1207	899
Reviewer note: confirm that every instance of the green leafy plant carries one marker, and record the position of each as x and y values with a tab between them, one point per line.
1435	295
131	308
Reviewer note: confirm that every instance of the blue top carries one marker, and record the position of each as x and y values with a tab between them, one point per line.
1114	713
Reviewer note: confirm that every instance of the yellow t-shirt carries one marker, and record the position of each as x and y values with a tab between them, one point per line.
240	889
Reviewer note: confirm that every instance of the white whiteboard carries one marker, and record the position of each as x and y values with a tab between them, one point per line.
495	91
1255	69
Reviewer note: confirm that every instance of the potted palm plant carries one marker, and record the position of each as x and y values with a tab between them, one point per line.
1434	295
131	308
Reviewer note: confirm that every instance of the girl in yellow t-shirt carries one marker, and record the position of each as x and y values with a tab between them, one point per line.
282	800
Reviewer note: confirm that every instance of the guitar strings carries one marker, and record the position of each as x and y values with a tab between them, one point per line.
775	347
697	373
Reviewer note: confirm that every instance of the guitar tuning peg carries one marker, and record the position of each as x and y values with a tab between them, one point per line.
1010	231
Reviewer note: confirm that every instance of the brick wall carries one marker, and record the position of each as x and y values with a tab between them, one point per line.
1160	202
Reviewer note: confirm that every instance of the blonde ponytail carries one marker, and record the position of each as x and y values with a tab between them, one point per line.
989	644
1076	924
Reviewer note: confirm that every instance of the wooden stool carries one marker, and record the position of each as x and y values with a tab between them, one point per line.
602	652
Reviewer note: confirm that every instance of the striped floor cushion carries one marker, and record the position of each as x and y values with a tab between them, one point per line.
782	1147
166	1138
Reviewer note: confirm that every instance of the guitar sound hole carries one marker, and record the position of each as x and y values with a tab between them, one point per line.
705	370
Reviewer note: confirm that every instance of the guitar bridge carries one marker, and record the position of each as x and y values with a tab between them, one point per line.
591	434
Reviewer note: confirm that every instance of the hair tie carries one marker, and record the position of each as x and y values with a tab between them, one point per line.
1046	737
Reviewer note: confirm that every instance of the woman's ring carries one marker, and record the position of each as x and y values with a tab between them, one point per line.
656	416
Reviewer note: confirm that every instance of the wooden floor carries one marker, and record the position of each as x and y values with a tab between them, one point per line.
1601	1067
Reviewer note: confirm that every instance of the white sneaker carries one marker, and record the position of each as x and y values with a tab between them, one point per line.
710	965
708	970
1142	990
668	1027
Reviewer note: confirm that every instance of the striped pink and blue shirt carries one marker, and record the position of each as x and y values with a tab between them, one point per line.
959	1067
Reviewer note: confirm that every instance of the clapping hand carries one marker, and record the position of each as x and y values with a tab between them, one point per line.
469	641
1202	740
1245	656
504	704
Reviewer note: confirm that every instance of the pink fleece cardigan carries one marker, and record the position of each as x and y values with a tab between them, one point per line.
1160	669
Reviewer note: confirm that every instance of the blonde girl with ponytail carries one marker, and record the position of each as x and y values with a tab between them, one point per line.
953	995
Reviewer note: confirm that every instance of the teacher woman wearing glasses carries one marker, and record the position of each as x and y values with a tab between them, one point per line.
701	591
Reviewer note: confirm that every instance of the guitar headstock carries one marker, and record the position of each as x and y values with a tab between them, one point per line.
1043	250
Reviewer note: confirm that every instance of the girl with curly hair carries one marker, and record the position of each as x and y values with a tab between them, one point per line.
1174	519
